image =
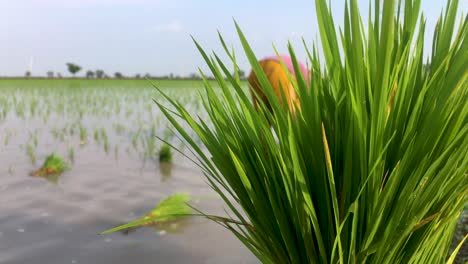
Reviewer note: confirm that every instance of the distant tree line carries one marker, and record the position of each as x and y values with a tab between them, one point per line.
74	69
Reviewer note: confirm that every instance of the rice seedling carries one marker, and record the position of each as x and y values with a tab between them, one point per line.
135	140
62	133
128	151
11	169
129	112
31	153
116	152
45	119
105	140
47	114
7	138
153	131
104	135
371	168
60	108
53	165
55	133
71	154
83	135
165	153
119	128
34	138
94	110
106	146
143	145
20	109
96	135
71	130
3	114
33	107
150	147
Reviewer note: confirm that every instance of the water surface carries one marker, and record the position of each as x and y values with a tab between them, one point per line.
115	177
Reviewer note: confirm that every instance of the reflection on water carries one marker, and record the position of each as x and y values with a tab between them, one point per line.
174	227
53	178
165	168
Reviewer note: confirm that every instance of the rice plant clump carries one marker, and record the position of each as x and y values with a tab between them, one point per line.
53	165
371	168
165	153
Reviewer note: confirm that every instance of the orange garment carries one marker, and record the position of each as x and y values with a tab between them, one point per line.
278	80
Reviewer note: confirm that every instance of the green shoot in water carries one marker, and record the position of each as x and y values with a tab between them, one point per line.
71	154
165	153
7	138
31	153
83	135
96	135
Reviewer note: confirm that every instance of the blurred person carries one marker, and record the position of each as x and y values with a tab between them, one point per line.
279	80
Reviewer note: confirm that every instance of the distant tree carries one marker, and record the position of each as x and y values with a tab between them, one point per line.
147	76
59	75
137	76
50	74
73	68
27	74
194	76
89	74
118	75
99	74
241	74
171	75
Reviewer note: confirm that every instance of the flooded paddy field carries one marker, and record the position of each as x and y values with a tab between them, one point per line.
107	131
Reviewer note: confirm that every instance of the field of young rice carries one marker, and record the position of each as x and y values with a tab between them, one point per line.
107	133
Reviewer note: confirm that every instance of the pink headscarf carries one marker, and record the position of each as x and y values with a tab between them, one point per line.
288	62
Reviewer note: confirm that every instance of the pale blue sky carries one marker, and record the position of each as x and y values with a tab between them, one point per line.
144	36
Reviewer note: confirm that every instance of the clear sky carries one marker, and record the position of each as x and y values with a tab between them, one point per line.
152	36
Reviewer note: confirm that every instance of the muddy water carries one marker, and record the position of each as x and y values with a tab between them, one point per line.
59	221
